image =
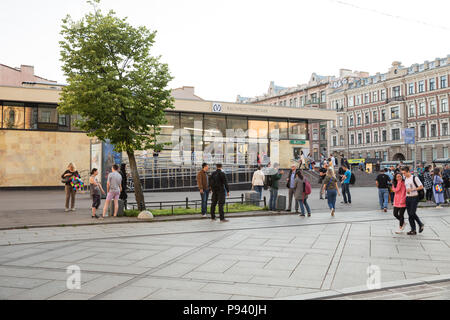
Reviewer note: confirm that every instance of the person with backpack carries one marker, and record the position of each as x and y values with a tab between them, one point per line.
218	186
438	188
330	185
414	193
382	183
273	183
258	181
302	190
345	181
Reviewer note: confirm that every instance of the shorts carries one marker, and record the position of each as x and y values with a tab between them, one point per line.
113	195
96	201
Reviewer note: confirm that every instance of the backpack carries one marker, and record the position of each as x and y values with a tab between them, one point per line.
269	181
306	187
215	181
352	179
421	193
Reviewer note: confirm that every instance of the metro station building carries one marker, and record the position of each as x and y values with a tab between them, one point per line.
37	143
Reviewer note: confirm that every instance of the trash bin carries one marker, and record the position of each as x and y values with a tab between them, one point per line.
120	212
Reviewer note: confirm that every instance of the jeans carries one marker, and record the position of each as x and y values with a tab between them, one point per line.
259	189
273	199
346	193
291	195
217	198
383	196
332	195
204	196
411	207
399	213
304	204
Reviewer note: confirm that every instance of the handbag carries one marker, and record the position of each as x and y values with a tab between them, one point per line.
438	187
66	180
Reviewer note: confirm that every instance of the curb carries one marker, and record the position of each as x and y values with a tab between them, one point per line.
339	293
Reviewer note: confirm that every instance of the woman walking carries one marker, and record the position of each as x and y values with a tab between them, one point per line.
331	186
66	177
258	181
300	195
95	188
438	188
428	183
399	188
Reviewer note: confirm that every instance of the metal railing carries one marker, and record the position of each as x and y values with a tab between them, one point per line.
196	204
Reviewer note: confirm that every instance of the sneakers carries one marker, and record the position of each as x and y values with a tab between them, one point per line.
385	210
332	212
399	231
301	215
411	233
309	214
421	228
73	209
67	210
224	220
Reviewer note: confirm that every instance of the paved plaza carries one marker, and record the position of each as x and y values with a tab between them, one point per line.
270	257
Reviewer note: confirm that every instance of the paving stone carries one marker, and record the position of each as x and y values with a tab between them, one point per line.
42	292
72	295
102	284
25	283
173	294
5	292
130	293
248	290
218	277
175	270
169	283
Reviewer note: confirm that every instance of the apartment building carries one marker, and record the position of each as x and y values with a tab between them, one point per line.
372	113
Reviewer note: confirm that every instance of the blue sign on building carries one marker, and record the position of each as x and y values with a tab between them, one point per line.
410	135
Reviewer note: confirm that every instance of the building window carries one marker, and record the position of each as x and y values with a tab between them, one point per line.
375	116
445	129
377	155
385	156
334	141
369	155
384	136
375	136
434	153
411	88
358	100
358	121
423	131
395	112
422	109
445	150
295	102
341	122
412	111
341	141
432	84
367	137
352	139
360	155
375	96
367	118
350	121
359	138
421	86
443	82
316	134
395	134
433	130
424	155
396	91
351	101
383	115
433	108
323	97
323	133
366	98
13	115
383	94
444	105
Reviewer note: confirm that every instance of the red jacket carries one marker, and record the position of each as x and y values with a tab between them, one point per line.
400	195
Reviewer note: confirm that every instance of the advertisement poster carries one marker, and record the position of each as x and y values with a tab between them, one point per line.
96	159
110	157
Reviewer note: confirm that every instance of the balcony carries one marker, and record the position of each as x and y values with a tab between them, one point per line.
399	98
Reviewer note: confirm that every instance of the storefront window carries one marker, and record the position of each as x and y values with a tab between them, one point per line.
173	123
13	115
257	128
279	126
193	123
215	125
298	130
31	118
237	123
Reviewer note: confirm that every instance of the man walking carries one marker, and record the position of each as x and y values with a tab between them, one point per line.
413	185
345	180
291	187
275	179
113	187
218	186
382	182
203	186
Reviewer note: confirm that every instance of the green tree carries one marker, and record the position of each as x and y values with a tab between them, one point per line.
115	86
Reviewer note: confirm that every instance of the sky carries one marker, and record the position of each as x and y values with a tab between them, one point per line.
226	48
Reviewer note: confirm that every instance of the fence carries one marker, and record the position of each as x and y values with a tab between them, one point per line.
188	204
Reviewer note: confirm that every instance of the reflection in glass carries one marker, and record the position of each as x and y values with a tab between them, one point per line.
192	123
13	115
173	123
257	128
281	126
298	130
31	118
215	125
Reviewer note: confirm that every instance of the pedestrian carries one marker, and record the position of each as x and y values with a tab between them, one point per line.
330	185
291	187
345	181
390	174
113	188
203	186
300	195
66	177
258	181
382	182
95	190
446	178
428	183
333	160
218	185
274	185
438	188
322	174
413	185
123	193
398	185
302	164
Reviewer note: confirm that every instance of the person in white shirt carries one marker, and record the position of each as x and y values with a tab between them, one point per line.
258	181
413	185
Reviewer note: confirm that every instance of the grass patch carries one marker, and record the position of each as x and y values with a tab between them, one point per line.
232	208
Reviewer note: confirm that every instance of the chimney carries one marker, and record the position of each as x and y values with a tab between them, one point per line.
27	70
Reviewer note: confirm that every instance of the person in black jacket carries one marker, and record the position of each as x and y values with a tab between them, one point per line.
123	194
70	191
219	185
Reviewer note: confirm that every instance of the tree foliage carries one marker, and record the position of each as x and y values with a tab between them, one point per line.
115	85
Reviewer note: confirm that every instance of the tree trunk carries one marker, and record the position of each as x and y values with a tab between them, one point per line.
139	194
